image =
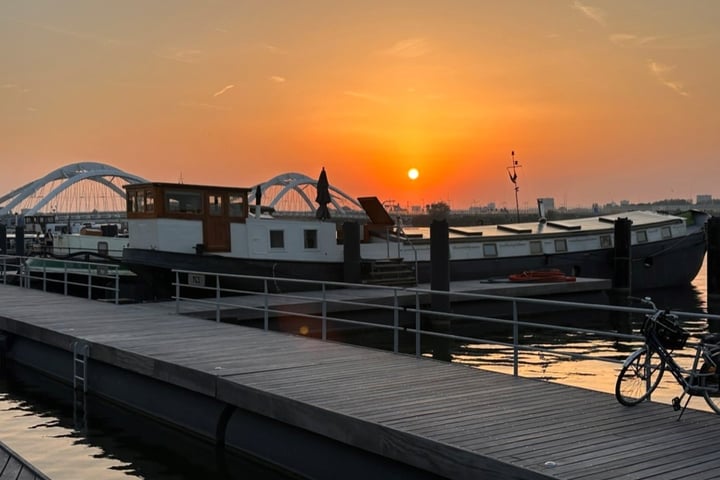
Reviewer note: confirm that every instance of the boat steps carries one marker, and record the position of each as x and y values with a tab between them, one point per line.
391	272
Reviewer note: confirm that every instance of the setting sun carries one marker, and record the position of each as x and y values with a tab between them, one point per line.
413	173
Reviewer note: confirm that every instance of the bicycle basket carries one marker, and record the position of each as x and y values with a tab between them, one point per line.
666	330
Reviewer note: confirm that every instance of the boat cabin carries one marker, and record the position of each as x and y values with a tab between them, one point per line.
216	207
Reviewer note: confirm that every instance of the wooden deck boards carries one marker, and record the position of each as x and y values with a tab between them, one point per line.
14	467
447	418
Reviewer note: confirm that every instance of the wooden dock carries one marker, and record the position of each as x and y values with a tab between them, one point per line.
14	467
329	410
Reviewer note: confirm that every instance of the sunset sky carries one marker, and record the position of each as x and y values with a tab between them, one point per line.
601	100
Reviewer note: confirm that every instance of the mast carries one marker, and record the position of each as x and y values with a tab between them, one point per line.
513	179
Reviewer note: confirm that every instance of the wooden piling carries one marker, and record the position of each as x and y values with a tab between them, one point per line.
713	258
351	252
622	271
440	281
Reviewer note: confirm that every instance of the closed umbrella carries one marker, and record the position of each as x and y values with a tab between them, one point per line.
323	196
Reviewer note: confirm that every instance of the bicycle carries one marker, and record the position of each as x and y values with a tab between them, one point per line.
643	369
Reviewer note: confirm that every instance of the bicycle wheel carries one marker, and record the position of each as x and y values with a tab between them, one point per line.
710	382
639	376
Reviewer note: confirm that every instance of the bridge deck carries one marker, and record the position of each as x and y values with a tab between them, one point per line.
449	419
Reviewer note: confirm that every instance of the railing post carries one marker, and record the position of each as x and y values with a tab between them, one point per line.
396	321
417	324
44	276
89	282
516	339
324	313
177	292
266	314
217	297
65	279
117	284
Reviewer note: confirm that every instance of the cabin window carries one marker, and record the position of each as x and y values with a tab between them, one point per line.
236	205
140	201
149	202
183	202
311	239
641	236
102	248
489	250
131	203
605	241
215	202
536	247
561	245
666	233
277	239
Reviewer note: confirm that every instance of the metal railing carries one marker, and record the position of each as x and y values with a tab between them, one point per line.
401	302
91	277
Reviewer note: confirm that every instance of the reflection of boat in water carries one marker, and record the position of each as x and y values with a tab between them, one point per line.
211	229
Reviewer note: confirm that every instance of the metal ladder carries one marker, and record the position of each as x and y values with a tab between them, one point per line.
81	351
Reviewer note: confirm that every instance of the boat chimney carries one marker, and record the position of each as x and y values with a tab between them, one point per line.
541	211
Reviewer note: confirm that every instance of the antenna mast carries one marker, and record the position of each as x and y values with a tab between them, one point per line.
513	179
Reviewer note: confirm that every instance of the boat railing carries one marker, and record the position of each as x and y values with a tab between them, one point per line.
403	237
98	280
410	311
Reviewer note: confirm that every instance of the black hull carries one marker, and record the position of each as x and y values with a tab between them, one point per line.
669	263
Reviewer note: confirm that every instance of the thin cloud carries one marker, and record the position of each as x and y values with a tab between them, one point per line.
409	48
660	71
277	79
630	40
223	90
187	55
365	96
204	106
8	86
593	13
274	50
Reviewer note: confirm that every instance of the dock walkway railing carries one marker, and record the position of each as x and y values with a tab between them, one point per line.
97	280
401	302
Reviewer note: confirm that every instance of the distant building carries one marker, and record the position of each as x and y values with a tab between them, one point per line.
704	200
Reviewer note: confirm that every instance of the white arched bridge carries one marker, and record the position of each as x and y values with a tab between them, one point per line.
86	188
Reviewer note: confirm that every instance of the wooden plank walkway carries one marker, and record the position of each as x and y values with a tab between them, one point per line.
14	467
449	419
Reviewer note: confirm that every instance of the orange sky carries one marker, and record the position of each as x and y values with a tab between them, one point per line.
601	100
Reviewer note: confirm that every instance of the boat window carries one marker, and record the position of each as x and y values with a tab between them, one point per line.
236	205
605	241
561	245
140	202
215	202
490	250
102	248
277	239
149	201
641	236
536	247
132	202
183	202
311	239
666	232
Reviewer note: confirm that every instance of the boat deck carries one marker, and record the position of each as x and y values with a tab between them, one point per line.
446	419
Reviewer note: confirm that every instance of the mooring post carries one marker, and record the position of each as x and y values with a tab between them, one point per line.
713	258
440	282
351	252
20	241
622	271
3	239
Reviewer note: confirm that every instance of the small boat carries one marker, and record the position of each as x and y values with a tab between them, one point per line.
213	229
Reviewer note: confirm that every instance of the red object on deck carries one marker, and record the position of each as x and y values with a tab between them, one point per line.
549	275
